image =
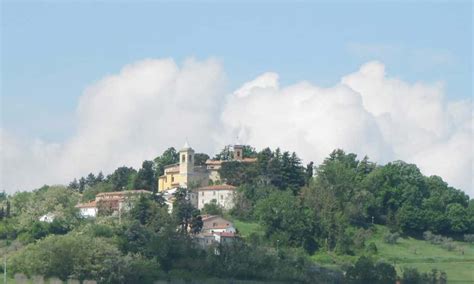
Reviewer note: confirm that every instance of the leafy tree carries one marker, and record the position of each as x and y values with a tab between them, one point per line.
122	177
366	271
200	159
457	216
170	156
146	178
212	208
184	212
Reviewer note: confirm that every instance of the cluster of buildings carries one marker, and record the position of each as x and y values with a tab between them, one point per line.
206	187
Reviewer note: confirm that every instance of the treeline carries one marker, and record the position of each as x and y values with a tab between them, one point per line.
144	245
128	178
303	209
326	211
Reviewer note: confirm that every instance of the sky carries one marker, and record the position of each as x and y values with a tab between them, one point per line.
93	85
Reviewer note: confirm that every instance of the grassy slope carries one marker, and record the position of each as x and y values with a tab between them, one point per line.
408	252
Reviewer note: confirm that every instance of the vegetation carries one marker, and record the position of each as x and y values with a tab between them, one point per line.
297	223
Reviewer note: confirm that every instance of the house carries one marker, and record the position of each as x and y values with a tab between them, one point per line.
207	239
185	173
88	209
213	166
214	223
110	202
117	201
223	195
48	217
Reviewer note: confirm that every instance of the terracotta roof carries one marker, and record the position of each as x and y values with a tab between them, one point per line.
125	192
249	160
90	204
214	162
217	187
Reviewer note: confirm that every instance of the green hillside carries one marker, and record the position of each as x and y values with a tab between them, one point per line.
409	252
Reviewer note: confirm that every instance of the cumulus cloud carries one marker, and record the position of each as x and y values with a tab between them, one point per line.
366	113
150	105
123	119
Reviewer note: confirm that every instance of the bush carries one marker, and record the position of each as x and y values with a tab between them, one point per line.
391	238
469	238
445	242
366	271
372	248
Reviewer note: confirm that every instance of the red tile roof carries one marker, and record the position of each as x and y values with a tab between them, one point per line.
125	192
90	204
217	187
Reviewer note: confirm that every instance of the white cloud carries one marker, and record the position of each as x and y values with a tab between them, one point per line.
153	104
366	113
122	120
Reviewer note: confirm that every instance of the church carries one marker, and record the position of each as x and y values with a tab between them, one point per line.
185	173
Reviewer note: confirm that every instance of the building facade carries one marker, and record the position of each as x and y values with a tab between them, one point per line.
223	195
186	173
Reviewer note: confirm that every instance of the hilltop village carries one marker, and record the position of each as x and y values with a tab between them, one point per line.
242	215
205	187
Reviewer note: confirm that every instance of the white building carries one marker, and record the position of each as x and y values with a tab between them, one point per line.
88	209
48	218
216	224
223	195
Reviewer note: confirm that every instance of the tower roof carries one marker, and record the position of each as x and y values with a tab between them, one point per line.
186	146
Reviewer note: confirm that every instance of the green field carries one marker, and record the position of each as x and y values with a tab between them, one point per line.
408	252
458	264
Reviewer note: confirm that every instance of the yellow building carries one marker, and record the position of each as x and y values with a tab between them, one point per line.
185	173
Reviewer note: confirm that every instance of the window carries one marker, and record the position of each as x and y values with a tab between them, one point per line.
202	193
214	193
238	153
222	196
172	178
183	158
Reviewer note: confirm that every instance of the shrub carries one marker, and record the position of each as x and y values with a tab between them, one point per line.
469	238
372	248
391	238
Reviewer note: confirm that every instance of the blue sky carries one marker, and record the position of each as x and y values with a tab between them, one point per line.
51	51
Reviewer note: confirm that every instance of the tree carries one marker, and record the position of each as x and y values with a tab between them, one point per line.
200	159
170	156
90	180
146	178
212	208
366	271
309	172
100	177
122	178
82	184
458	218
74	185
7	211
184	212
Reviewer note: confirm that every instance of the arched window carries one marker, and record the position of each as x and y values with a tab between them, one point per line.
183	158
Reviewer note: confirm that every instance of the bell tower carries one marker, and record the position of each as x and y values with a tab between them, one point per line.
186	160
238	152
